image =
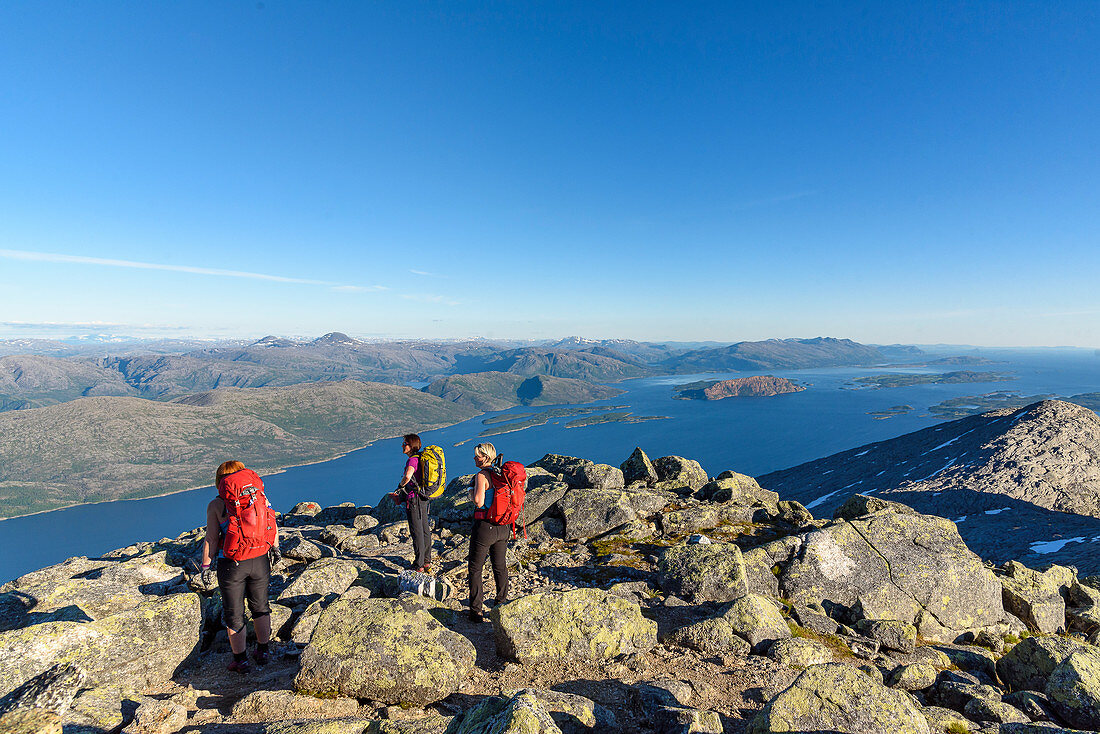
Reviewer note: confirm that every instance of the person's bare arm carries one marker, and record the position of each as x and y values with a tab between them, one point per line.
408	477
213	542
477	491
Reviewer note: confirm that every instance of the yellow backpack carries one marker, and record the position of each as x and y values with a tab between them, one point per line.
433	472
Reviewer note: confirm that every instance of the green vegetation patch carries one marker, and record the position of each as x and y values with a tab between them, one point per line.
942	378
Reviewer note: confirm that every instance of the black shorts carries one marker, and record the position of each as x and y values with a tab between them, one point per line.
238	579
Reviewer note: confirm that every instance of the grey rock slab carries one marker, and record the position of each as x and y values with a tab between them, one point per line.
839	699
678	470
1028	665
385	650
911	568
756	619
138	647
1074	689
711	572
585	624
589	512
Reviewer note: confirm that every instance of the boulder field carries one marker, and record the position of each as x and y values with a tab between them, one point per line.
646	598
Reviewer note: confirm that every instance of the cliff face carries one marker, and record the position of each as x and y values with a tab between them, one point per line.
757	386
1038	465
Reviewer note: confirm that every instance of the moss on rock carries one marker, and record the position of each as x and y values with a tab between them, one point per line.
585	624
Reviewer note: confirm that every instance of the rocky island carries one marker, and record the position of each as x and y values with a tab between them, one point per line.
649	598
757	386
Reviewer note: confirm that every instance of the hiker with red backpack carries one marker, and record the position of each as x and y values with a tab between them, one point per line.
497	493
242	539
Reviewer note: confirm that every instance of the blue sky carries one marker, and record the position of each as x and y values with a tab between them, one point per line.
887	172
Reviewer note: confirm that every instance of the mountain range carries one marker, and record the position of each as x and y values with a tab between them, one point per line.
37	380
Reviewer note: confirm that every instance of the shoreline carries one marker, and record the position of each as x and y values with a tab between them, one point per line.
283	469
271	473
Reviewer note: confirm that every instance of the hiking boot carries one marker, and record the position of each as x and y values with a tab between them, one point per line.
261	657
476	617
239	666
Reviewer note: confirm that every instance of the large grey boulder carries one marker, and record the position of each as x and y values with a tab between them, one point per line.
712	637
839	699
589	512
1028	665
888	565
584	624
326	576
638	468
582	472
757	620
741	489
386	650
266	705
1035	597
98	588
138	647
681	472
522	713
703	572
1074	689
750	623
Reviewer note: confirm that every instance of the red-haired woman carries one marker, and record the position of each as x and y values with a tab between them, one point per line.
249	576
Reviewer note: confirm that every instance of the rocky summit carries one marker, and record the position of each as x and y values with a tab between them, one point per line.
646	598
1020	484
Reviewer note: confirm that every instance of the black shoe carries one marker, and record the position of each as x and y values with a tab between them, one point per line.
477	617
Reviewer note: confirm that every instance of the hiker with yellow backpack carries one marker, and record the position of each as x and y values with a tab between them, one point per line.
424	477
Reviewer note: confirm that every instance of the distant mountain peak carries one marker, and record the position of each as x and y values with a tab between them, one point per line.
335	339
273	341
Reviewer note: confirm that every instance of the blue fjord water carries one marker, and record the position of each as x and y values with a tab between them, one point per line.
750	435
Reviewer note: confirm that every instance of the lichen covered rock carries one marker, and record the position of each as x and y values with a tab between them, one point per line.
1028	665
704	572
585	624
1074	689
592	512
138	647
383	649
757	620
907	567
522	713
1034	597
837	698
676	470
582	472
638	468
326	576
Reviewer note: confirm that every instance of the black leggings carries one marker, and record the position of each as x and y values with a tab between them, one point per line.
238	578
487	539
420	529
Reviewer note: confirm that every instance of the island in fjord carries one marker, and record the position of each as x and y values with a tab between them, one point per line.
757	386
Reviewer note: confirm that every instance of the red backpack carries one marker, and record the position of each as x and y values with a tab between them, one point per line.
509	483
250	531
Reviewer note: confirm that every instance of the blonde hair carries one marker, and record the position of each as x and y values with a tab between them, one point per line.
488	450
226	469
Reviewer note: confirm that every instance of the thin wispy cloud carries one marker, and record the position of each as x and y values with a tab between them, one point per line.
52	257
426	274
430	298
85	325
358	288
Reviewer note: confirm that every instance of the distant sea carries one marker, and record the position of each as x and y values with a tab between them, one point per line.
748	435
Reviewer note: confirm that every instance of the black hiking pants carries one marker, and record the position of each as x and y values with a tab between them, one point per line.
487	539
240	579
416	510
